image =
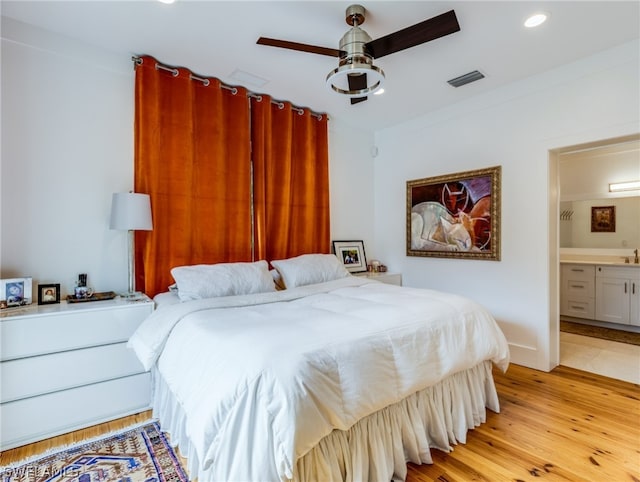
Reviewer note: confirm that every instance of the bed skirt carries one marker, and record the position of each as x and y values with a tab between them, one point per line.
378	446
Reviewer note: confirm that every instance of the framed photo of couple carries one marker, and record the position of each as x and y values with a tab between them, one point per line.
351	254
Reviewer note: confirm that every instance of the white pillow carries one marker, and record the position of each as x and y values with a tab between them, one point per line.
309	269
223	279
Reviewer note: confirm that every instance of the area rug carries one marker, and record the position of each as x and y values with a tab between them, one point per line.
140	454
600	332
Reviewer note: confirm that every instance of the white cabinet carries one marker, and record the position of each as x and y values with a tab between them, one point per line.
66	366
389	278
577	293
618	295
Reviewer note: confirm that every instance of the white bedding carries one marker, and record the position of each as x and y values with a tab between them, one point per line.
262	379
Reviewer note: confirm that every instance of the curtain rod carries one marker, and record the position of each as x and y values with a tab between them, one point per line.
234	90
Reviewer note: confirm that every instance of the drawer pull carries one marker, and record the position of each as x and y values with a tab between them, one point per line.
577	308
633	288
577	270
625	287
577	286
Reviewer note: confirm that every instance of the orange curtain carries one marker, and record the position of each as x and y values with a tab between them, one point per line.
291	180
192	155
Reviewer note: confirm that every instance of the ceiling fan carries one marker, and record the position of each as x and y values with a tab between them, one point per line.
356	76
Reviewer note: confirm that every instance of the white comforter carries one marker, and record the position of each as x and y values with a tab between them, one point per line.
300	363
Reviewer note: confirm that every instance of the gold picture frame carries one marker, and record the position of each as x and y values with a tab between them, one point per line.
603	219
455	215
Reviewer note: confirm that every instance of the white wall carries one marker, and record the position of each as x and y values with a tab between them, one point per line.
67	145
515	127
351	180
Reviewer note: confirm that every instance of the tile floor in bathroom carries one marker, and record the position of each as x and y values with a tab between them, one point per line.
607	358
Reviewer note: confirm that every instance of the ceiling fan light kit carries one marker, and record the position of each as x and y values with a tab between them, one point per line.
356	76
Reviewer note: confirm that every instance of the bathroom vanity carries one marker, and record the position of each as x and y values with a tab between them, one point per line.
601	290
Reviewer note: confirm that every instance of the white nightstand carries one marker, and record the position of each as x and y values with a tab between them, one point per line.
67	366
386	277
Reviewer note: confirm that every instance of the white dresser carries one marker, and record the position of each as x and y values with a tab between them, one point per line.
67	366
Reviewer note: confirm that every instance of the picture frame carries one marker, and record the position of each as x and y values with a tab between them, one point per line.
49	294
351	254
15	292
603	219
455	215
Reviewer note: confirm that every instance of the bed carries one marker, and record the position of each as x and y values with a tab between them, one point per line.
333	378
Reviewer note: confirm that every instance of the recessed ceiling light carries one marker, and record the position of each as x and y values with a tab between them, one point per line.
536	19
379	91
167	1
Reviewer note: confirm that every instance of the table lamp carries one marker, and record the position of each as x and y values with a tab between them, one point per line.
131	212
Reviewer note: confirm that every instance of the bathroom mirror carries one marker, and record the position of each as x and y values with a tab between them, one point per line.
575	224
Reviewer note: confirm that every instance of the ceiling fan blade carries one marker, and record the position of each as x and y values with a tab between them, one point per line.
431	29
357	82
313	49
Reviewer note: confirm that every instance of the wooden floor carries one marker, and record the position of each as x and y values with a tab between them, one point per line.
566	425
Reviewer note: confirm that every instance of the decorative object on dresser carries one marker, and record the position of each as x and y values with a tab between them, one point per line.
455	215
48	294
67	366
351	255
131	212
15	292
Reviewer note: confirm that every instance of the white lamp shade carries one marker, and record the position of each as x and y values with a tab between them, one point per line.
131	211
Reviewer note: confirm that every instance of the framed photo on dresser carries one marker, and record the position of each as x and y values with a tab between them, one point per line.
15	292
48	294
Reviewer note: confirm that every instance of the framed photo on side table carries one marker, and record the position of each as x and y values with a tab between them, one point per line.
48	294
351	255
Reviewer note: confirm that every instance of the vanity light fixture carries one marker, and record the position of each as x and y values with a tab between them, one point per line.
624	186
536	19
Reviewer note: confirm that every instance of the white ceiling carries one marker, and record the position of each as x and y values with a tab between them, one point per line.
215	38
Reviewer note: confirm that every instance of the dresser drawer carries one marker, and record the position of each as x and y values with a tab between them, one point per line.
70	329
32	419
28	377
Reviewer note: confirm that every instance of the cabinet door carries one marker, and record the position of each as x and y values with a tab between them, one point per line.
612	300
634	309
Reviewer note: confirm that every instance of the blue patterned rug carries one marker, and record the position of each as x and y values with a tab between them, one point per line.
140	454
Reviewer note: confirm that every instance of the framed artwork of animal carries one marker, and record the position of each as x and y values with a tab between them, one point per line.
603	219
455	215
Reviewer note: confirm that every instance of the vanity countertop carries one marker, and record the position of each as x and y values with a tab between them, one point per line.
603	260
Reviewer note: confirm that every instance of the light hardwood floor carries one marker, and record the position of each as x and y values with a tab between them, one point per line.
567	425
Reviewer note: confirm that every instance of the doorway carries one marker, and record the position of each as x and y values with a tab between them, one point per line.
585	186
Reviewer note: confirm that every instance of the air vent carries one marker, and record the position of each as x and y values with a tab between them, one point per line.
466	79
